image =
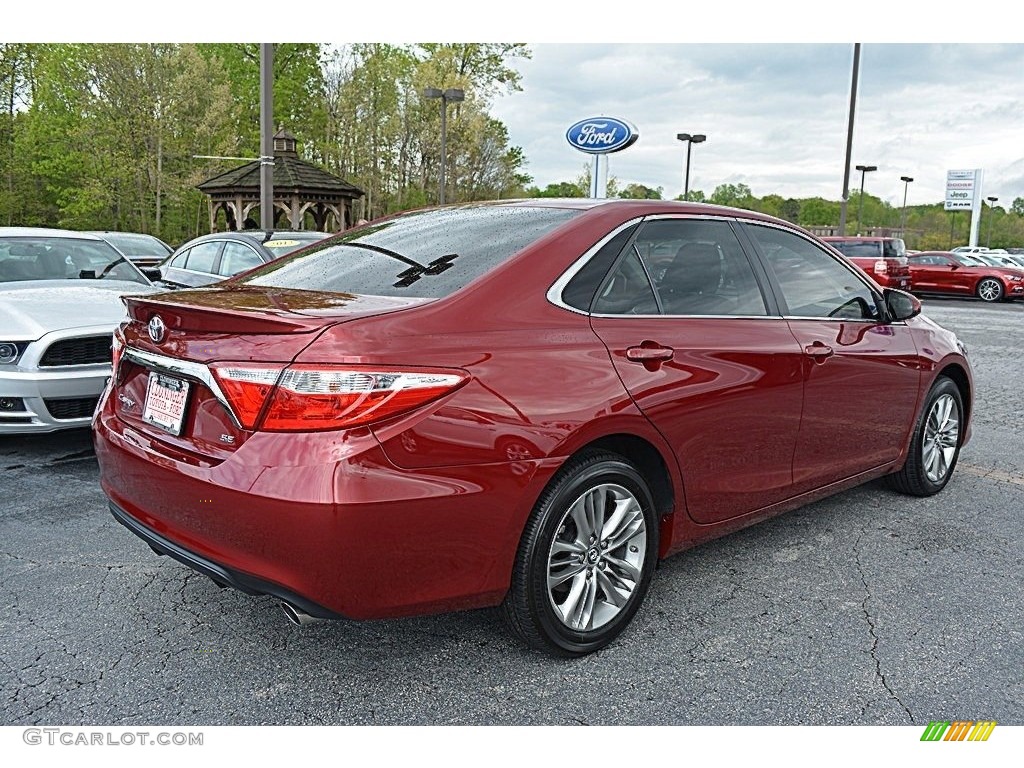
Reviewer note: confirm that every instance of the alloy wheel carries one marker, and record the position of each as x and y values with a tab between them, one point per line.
990	289
941	437
596	558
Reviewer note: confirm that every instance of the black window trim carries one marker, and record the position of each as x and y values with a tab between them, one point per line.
884	318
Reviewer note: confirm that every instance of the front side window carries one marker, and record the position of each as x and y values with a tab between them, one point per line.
813	283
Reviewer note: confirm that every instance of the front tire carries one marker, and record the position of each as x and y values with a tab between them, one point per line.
935	447
990	289
586	558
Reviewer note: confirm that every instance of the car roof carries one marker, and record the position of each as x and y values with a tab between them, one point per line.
46	232
856	238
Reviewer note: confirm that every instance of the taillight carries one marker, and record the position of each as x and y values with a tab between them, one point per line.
246	386
881	268
312	397
318	397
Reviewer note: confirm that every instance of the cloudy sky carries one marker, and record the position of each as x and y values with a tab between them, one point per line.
776	114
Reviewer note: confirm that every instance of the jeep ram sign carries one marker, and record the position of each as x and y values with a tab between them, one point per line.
961	187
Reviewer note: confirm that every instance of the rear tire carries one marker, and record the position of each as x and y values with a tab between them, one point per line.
585	559
990	289
935	447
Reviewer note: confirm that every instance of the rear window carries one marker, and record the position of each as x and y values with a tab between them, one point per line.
136	245
867	250
426	254
890	248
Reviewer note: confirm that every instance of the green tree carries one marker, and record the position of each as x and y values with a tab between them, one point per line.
636	191
735	195
561	189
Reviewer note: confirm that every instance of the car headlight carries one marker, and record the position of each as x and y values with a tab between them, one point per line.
10	351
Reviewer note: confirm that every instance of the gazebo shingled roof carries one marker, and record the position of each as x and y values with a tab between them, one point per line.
299	187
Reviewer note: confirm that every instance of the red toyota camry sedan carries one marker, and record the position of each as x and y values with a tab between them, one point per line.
524	404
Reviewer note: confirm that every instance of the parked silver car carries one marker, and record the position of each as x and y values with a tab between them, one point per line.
60	300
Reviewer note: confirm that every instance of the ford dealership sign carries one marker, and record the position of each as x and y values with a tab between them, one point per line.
601	135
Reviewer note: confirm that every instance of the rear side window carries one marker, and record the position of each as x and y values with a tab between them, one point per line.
579	292
426	254
238	258
894	248
699	268
202	257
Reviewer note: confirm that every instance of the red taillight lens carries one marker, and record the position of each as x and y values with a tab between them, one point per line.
314	397
881	268
246	386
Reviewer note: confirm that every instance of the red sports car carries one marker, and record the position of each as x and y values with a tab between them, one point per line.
963	274
523	404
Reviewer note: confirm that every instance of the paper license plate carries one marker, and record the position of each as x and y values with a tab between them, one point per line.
166	397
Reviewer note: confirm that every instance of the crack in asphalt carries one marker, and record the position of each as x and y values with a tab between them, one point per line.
871	629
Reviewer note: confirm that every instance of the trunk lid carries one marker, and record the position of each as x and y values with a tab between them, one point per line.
209	326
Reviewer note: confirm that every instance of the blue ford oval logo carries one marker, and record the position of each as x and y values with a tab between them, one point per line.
156	329
601	135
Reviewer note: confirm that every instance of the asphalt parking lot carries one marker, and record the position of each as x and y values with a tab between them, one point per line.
866	608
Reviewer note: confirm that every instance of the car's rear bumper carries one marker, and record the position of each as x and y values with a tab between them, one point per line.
221	574
901	283
324	520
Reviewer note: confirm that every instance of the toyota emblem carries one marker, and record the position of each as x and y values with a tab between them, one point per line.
157	329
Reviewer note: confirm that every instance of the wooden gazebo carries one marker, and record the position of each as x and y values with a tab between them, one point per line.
302	193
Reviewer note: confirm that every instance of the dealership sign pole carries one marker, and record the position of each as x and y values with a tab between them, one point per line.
600	136
963	192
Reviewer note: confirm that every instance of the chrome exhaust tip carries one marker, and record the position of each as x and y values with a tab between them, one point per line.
297	616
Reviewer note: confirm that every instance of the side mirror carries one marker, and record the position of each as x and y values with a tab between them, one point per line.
153	273
954	266
901	305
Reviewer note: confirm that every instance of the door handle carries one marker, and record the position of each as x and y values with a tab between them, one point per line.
819	351
648	354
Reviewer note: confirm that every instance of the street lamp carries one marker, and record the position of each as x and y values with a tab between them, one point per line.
860	208
446	97
903	214
690	140
992	215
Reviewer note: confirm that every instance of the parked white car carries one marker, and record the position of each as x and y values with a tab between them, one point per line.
60	300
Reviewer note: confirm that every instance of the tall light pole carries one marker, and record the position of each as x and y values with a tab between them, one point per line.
903	214
849	140
690	140
446	96
266	136
864	169
991	215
